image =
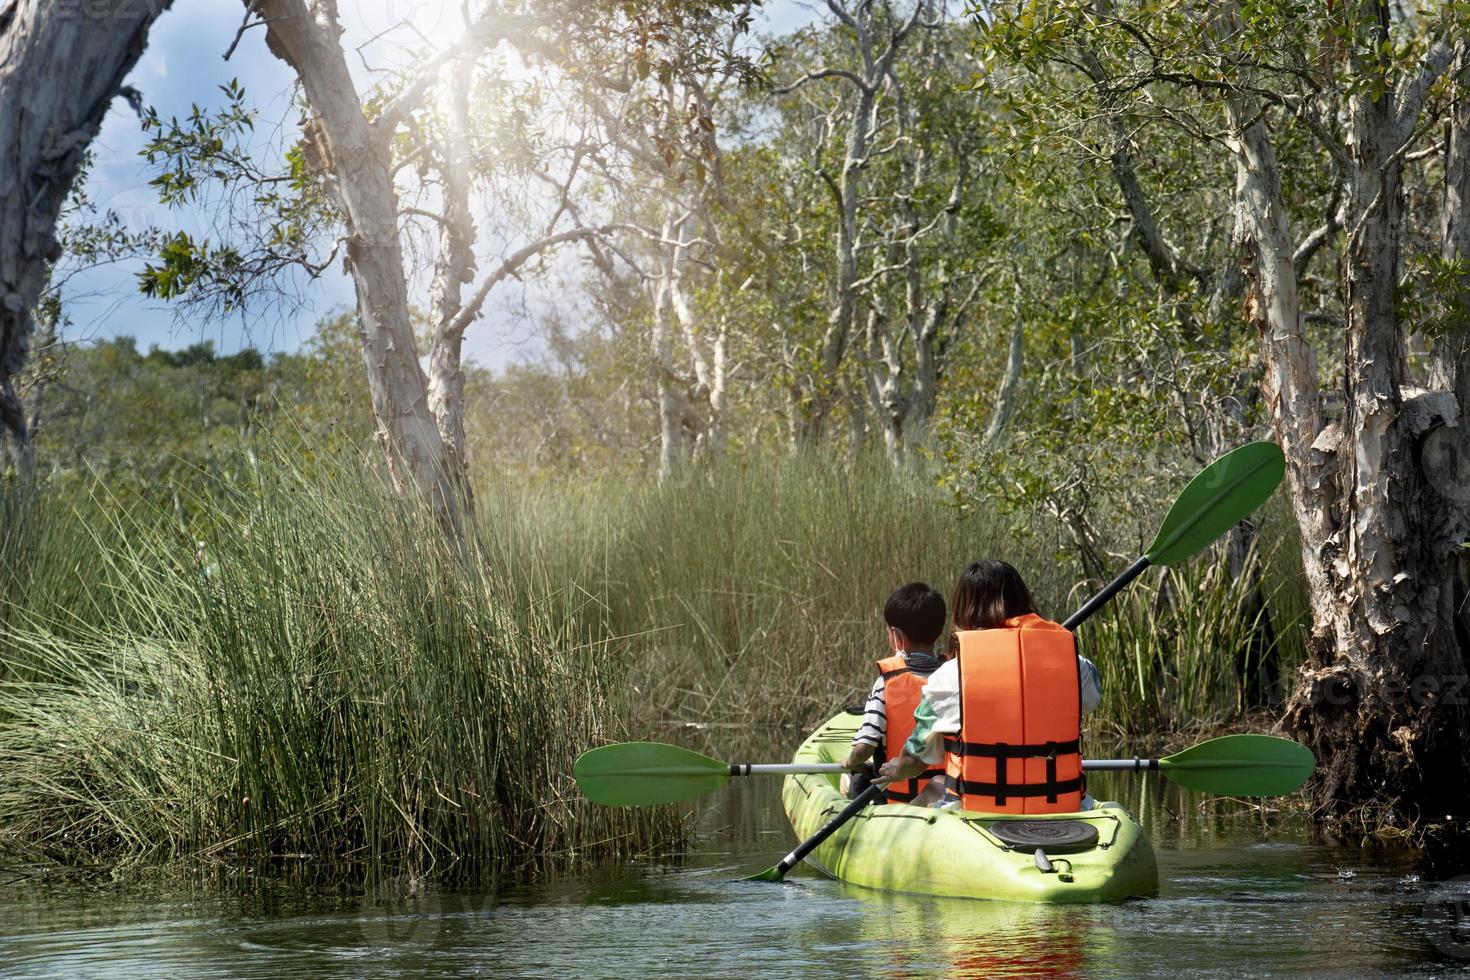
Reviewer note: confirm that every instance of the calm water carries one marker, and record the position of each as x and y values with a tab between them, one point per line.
1242	895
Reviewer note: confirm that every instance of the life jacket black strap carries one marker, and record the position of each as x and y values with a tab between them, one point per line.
1003	750
1051	789
1003	787
895	672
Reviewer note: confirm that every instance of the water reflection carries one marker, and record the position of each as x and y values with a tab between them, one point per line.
1243	893
924	936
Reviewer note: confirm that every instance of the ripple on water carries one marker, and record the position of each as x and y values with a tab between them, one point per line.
1231	905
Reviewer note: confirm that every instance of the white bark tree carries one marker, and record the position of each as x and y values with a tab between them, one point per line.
1378	495
353	154
877	33
661	159
925	269
1381	525
420	416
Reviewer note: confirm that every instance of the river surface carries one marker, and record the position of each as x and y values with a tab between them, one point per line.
1242	894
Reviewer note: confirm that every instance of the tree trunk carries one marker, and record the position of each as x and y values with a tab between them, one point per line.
1450	458
670	411
865	84
843	310
1005	395
353	156
1373	704
1378	700
708	356
719	392
454	268
60	66
883	378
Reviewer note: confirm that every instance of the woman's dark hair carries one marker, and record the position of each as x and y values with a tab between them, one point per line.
988	593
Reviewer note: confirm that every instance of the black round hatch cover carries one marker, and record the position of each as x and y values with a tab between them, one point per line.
1053	836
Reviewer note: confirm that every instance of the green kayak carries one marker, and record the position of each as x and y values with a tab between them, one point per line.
1100	855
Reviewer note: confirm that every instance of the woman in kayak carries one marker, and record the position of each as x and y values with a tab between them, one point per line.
1004	714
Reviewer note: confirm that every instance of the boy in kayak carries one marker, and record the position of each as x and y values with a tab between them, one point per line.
915	616
1004	715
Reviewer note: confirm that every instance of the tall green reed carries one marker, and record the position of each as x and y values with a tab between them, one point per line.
281	657
751	593
302	665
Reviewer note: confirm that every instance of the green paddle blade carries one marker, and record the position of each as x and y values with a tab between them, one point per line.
645	773
770	874
1241	765
1223	494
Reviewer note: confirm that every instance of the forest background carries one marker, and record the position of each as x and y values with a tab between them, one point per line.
912	285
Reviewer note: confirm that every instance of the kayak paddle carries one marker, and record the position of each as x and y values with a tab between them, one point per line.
645	773
777	872
1220	496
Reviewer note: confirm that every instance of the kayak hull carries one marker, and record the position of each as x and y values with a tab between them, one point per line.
950	853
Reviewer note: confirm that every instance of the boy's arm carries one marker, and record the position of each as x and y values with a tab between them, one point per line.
872	730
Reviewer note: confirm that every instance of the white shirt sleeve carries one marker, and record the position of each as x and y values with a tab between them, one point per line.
943	691
875	717
1091	684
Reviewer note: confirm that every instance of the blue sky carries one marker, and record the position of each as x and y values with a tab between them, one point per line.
184	65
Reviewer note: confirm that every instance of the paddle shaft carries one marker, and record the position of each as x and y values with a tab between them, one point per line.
869	795
830	768
788	769
1120	765
1111	589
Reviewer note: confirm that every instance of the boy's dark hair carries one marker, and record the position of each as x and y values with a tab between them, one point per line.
917	610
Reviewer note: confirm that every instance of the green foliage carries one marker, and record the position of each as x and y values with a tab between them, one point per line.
208	161
183	263
156	420
203	145
1435	297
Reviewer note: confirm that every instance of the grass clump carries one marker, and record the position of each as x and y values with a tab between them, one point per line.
297	664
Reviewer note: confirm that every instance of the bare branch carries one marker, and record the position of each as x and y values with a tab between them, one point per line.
1319	235
245	25
1412	93
509	266
438	219
822	73
484	33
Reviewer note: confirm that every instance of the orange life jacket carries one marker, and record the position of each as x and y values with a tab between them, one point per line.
902	689
1020	720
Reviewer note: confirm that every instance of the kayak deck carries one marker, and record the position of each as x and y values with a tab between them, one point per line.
924	851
